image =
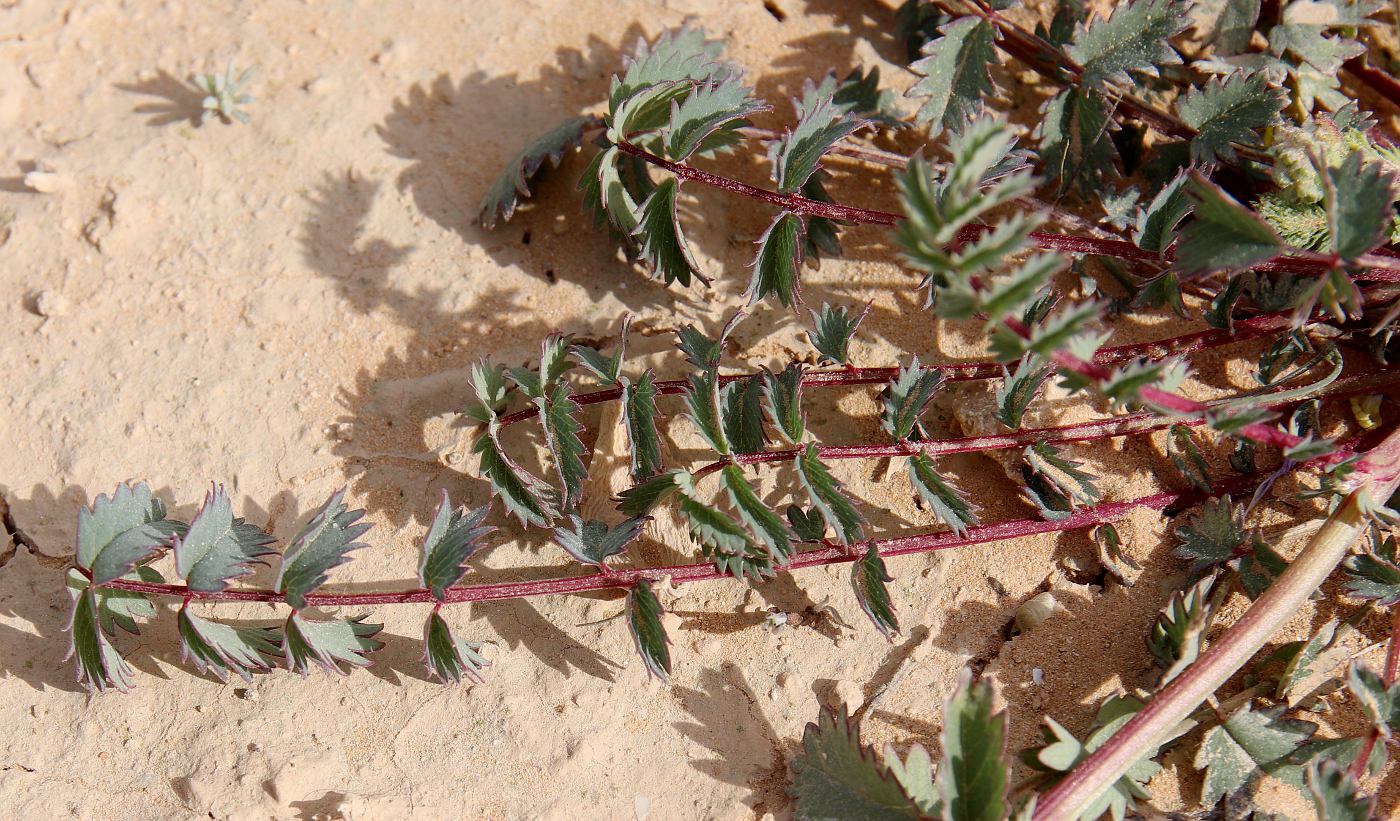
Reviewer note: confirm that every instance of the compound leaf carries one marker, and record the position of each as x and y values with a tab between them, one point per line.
974	775
836	777
1136	37
832	329
607	370
593	542
742	412
119	608
561	430
1225	236
451	540
639	415
821	124
827	497
525	496
222	649
121	531
644	621
721	539
505	193
762	522
449	658
869	579
949	504
328	643
322	544
663	245
1229	111
780	254
954	74
1046	462
907	398
782	393
1248	743
218	547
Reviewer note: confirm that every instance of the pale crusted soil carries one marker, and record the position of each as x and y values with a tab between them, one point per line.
291	306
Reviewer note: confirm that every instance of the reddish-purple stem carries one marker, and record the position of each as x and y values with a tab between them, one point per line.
1251	328
1296	261
701	571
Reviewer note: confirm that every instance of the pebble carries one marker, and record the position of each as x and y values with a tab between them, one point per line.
1036	610
45	182
849	693
641	807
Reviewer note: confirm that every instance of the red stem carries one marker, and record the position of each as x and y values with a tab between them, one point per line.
1251	328
1296	261
617	578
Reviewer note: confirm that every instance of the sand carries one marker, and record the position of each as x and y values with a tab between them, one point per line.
291	306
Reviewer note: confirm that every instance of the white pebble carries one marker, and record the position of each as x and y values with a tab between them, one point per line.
45	182
51	304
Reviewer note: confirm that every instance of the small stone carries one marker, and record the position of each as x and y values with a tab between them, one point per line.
51	304
44	182
1037	676
1036	610
849	693
321	86
641	807
246	693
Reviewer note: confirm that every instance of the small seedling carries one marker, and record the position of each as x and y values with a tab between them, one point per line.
223	95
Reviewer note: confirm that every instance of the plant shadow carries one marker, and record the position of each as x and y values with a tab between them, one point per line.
178	99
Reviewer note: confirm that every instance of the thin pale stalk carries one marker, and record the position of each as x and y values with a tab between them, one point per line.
1152	725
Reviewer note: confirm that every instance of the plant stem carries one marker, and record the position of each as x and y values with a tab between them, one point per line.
1251	328
1296	261
620	578
1152	725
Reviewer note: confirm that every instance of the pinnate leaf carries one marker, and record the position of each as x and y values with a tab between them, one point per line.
218	546
836	777
828	498
780	254
1247	744
121	531
742	404
644	621
640	415
763	523
451	540
1229	111
821	124
832	329
222	649
100	666
782	394
593	542
505	193
328	644
663	245
949	504
908	397
1136	37
323	543
525	496
974	774
449	658
1225	236
955	74
870	579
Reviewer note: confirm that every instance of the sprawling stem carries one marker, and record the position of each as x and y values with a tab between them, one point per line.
1252	328
612	578
1296	261
1151	726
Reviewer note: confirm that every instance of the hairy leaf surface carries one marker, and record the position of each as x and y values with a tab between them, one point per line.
593	542
832	329
640	415
1136	37
222	649
121	531
827	497
870	581
525	495
782	393
955	74
663	245
821	124
644	620
742	404
328	644
1229	111
836	777
779	259
949	504
765	525
449	658
974	775
219	547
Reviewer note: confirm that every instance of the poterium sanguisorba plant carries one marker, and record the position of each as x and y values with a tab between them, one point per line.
1305	268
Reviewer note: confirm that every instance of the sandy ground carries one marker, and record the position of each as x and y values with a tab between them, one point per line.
291	306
